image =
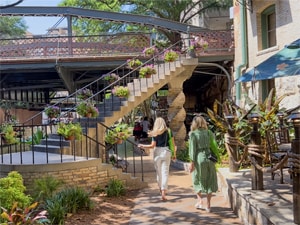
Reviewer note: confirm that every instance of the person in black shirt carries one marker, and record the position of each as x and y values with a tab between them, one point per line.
161	154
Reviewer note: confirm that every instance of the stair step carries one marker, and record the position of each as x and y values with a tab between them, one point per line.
54	142
43	148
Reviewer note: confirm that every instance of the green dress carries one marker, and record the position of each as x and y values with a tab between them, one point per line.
204	176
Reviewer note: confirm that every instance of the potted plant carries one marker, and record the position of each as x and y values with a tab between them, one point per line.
84	93
87	109
117	134
52	111
111	77
170	56
150	51
147	71
134	63
8	134
70	131
121	91
198	45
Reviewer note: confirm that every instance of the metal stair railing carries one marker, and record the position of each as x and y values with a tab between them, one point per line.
101	97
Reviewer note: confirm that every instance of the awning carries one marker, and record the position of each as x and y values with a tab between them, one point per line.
284	63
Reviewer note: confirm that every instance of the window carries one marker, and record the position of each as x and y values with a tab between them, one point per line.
268	25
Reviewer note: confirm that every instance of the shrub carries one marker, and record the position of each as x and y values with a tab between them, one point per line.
44	188
29	215
69	200
115	188
12	190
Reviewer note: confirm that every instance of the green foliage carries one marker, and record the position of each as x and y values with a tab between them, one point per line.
36	138
170	56
44	188
12	190
12	27
70	129
52	111
83	26
9	134
147	70
119	132
69	200
115	188
85	108
29	215
183	154
133	63
121	91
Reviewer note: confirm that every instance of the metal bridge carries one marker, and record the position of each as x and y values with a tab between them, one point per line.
34	68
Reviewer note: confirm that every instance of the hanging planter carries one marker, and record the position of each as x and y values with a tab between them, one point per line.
147	71
87	109
52	111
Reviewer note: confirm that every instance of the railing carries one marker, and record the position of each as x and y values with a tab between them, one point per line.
65	46
27	151
100	45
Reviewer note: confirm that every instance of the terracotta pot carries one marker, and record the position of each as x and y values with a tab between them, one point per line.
71	138
120	141
88	115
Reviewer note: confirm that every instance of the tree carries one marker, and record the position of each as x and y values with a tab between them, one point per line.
12	27
176	10
83	26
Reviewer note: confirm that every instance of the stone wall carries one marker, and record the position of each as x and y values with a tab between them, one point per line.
86	174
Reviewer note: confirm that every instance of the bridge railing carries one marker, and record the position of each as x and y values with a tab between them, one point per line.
69	46
99	45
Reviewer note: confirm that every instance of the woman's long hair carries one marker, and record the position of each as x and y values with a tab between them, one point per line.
159	127
198	122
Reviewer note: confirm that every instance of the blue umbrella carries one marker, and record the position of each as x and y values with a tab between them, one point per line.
284	63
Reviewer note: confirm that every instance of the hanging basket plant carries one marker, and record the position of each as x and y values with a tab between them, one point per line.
150	51
52	111
84	93
121	91
170	56
134	63
147	71
117	134
70	131
87	109
111	77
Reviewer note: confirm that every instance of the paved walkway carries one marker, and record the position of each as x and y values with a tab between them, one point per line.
179	209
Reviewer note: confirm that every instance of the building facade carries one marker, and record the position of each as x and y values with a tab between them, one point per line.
262	28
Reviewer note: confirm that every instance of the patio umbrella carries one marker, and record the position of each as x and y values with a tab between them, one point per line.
284	63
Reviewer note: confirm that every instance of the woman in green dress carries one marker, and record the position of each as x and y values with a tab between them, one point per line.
204	175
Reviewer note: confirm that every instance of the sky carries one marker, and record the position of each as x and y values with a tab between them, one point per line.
39	25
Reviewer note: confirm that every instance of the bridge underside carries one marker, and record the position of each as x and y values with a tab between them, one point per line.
36	82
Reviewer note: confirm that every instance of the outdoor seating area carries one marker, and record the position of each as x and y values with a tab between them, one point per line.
278	146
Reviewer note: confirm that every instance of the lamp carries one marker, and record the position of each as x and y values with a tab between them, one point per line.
295	117
280	116
254	119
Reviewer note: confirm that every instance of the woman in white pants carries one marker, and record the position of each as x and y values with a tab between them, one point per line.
162	154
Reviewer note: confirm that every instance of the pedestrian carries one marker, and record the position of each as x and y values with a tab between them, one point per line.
145	125
161	155
204	175
137	131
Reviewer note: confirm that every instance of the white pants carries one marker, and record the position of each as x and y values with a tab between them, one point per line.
162	160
